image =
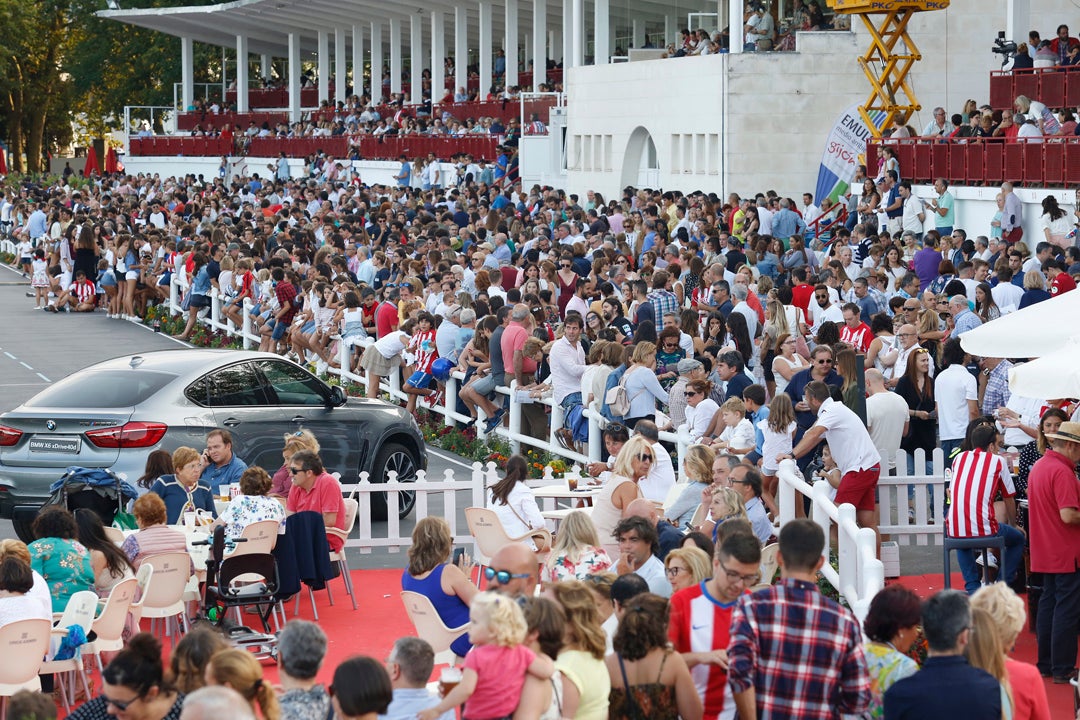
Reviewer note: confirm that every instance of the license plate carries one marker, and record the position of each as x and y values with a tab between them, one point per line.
56	444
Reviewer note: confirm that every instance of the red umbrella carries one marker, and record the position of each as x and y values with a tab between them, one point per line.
91	162
111	165
3	163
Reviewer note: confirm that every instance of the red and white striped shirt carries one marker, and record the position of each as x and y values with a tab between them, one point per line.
977	478
858	337
84	291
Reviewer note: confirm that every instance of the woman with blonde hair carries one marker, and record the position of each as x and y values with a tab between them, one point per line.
1008	615
1034	289
577	552
239	670
633	463
686	567
727	504
845	366
985	652
586	684
698	468
432	575
294	443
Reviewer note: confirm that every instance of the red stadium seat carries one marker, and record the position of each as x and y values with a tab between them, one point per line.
993	162
939	161
974	155
1072	88
957	164
905	154
1072	163
1052	88
1054	163
920	168
1014	163
1033	162
1001	91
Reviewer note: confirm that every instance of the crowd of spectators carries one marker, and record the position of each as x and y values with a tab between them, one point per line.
721	313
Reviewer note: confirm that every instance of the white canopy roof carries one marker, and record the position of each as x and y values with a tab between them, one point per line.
1035	331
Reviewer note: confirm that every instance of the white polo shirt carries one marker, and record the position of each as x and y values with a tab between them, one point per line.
849	442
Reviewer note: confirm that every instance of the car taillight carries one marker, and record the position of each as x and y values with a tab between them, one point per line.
9	436
128	435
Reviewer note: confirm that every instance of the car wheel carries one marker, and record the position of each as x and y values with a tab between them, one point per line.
396	458
23	524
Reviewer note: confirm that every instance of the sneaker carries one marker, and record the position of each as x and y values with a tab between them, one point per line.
993	560
135	318
50	308
494	421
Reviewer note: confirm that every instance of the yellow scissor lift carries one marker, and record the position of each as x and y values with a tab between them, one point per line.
886	65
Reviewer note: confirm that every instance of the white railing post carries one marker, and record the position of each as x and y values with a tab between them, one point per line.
786	492
557	414
479	485
215	309
363	512
596	437
174	295
514	425
450	401
246	331
819	512
845	551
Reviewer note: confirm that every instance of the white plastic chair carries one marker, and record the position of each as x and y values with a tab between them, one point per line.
165	598
79	612
259	539
490	536
108	626
114	534
351	509
143	578
769	563
430	626
23	646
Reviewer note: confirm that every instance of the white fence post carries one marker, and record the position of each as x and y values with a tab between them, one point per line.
514	426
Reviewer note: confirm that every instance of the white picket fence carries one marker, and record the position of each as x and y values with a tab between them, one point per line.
912	506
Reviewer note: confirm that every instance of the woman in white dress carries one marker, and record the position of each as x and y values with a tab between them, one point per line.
787	362
514	502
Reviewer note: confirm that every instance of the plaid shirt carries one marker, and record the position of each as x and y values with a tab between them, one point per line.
997	391
663	303
800	651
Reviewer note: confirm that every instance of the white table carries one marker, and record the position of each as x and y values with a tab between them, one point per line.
551	494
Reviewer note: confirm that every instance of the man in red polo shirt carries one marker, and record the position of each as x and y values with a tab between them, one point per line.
1060	280
803	292
316	490
855	332
386	317
1054	533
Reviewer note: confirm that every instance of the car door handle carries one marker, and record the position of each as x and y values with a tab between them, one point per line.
231	422
299	419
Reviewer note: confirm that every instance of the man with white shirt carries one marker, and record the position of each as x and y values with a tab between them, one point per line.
739	293
1006	294
661	477
914	211
447	333
886	418
957	396
826	309
567	362
810	211
638	549
409	666
852	448
765	216
578	303
908	336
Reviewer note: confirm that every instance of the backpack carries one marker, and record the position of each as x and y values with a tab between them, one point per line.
618	399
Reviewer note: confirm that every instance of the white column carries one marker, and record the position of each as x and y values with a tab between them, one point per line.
735	37
438	55
636	27
395	55
324	65
485	47
187	72
555	44
461	47
1017	19
358	60
671	26
294	70
578	26
376	63
601	33
264	66
510	42
539	43
339	63
241	73
567	40
416	59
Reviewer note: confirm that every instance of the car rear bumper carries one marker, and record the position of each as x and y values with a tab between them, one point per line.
29	486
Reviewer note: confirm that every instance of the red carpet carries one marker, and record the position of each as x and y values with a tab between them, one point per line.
1060	696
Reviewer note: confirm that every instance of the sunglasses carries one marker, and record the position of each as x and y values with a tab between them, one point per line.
690	394
643	457
824	361
503	576
121	706
296	471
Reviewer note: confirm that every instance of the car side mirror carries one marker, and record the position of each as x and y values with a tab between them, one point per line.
337	396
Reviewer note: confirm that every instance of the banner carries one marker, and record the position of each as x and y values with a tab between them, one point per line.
845	150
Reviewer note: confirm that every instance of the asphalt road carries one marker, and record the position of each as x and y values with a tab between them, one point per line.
38	348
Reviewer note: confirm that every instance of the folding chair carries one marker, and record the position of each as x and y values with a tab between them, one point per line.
425	618
23	645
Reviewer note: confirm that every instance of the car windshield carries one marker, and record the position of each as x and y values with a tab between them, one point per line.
104	389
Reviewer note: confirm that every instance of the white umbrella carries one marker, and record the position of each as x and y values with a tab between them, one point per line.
1035	331
1052	376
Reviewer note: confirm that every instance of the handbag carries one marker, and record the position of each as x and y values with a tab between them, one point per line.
185	304
618	399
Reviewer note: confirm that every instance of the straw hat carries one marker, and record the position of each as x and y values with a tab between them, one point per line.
1068	431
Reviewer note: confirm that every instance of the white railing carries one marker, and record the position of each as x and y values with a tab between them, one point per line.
448	488
912	506
512	432
859	575
7	246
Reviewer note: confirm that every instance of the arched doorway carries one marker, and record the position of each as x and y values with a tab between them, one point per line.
641	165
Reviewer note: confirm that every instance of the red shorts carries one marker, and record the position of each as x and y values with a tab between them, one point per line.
857	487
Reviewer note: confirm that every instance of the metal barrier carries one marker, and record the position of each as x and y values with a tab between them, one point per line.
1052	161
858	575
